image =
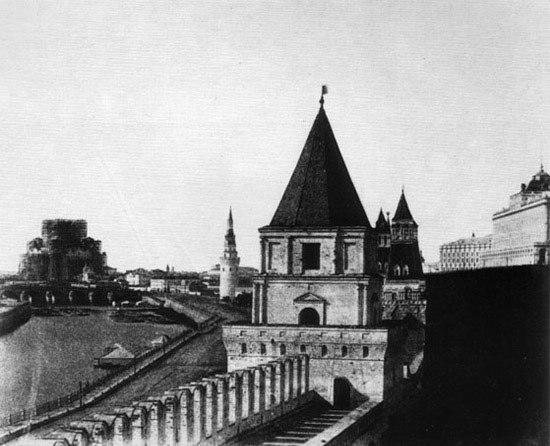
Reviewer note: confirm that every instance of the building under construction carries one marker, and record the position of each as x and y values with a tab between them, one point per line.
62	252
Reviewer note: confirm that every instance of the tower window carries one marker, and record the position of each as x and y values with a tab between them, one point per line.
311	255
406	270
243	348
397	270
324	351
303	348
365	352
344	351
282	349
262	348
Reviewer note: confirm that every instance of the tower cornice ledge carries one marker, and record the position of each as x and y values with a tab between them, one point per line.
299	230
359	278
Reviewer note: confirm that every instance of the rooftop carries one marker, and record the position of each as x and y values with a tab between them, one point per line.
320	192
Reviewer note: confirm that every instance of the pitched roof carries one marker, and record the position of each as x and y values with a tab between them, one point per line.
320	191
403	212
382	225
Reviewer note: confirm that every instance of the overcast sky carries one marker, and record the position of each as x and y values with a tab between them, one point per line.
150	118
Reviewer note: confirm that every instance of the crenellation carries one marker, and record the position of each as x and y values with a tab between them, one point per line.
171	402
206	412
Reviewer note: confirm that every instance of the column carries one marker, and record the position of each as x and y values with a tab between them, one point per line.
156	422
139	427
280	372
235	398
211	408
121	430
289	255
297	363
199	412
187	422
248	393
256	303
223	401
170	401
289	380
360	305
259	390
263	245
269	374
305	373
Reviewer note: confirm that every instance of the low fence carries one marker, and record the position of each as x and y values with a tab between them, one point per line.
139	363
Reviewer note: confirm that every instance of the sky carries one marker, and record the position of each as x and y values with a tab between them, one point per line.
150	118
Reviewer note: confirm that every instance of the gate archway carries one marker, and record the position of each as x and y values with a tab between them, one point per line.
309	316
342	393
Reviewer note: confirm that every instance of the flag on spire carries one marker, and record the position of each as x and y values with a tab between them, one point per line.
324	91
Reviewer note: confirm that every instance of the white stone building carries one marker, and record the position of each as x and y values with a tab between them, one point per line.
465	253
521	232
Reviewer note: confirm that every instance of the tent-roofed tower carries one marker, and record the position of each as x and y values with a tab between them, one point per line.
405	258
320	192
318	291
384	242
319	232
229	263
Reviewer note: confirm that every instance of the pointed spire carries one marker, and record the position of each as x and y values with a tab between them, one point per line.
320	191
402	212
382	225
230	219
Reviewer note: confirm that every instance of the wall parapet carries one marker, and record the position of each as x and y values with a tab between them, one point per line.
206	412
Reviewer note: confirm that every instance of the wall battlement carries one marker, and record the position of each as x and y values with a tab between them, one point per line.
207	412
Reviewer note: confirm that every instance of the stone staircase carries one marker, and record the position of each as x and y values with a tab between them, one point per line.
295	430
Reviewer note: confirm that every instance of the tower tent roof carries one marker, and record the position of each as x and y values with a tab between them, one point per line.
320	191
403	212
382	225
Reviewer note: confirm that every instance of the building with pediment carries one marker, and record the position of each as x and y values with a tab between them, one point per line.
319	290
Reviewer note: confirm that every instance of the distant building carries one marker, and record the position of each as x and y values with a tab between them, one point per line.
465	253
136	279
229	263
62	253
169	285
521	232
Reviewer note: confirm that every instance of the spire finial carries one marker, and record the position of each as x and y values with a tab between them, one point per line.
324	91
230	219
403	189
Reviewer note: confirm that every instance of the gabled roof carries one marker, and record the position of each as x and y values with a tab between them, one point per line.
403	212
309	298
382	225
118	352
320	191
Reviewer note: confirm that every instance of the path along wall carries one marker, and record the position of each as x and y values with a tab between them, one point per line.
207	412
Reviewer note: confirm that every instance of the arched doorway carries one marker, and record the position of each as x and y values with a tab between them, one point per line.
308	316
342	393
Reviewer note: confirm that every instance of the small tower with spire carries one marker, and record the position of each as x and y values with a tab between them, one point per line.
384	242
405	258
229	263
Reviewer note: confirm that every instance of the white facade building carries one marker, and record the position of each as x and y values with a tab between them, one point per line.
465	253
521	232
